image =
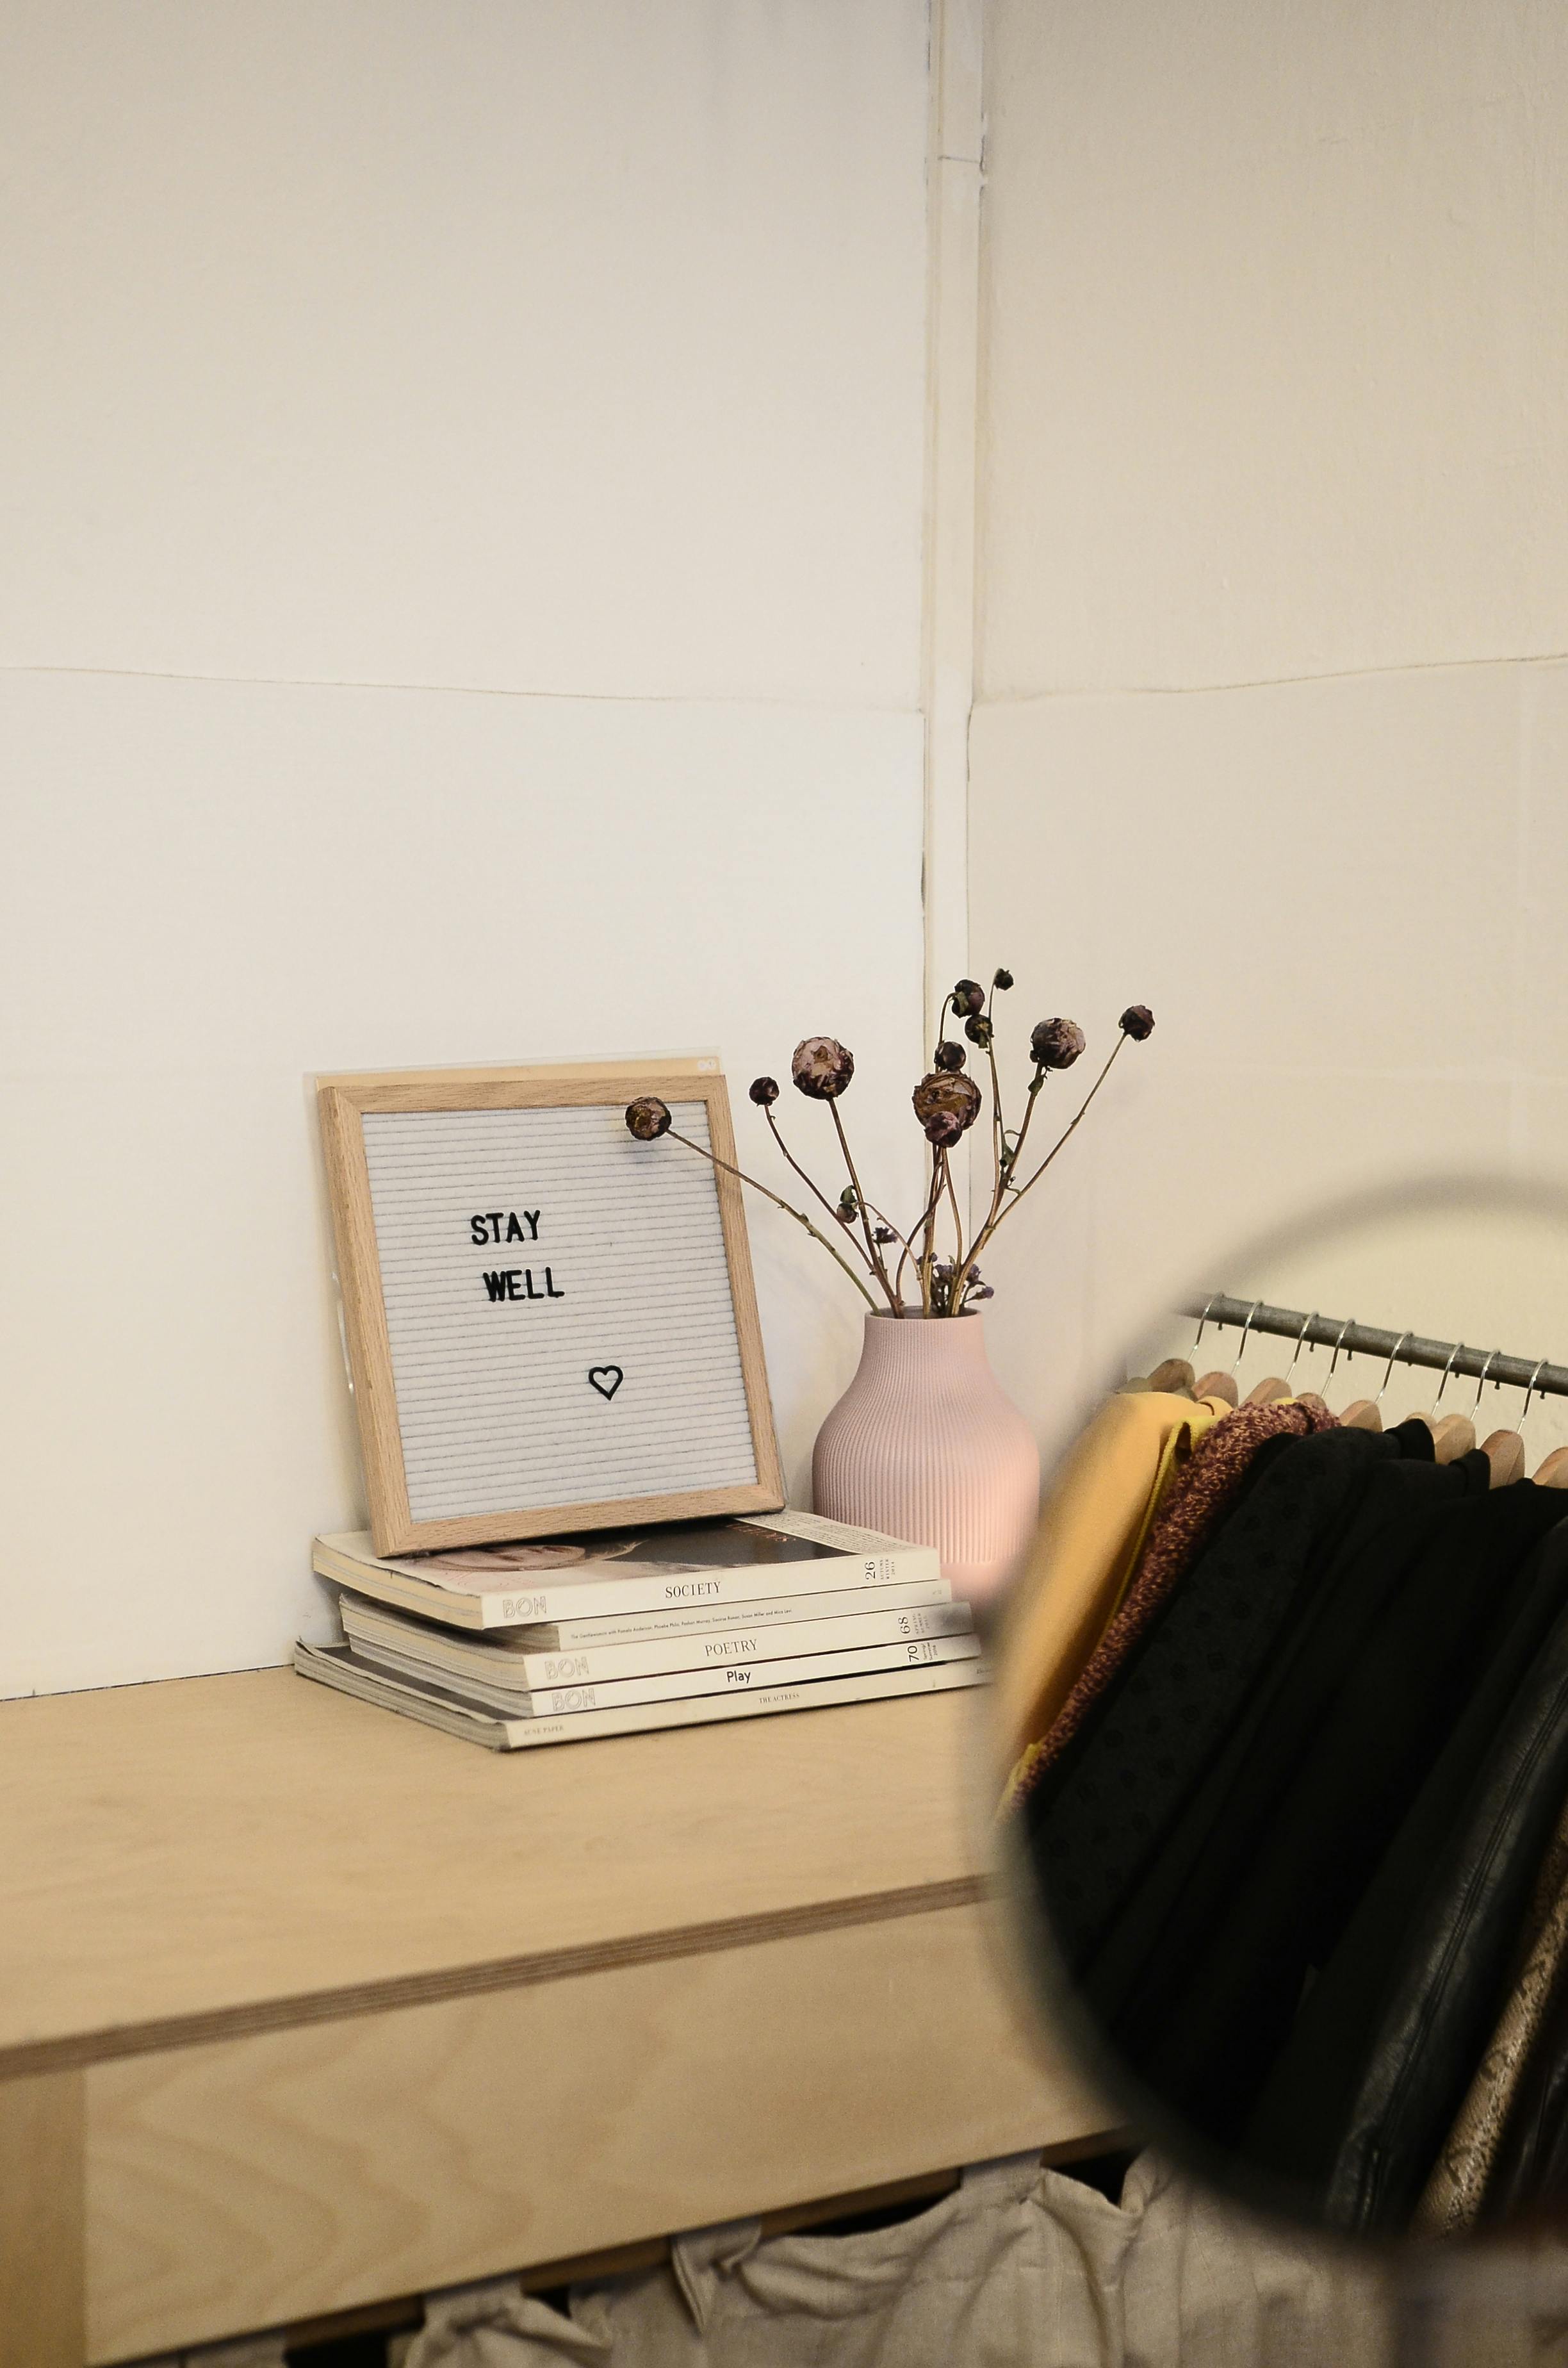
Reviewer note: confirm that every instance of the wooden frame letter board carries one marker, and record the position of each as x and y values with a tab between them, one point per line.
550	1326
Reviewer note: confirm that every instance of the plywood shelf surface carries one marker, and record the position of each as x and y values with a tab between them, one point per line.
303	2004
188	1860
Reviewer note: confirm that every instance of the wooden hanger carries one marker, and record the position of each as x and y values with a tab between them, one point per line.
1362	1414
1453	1435
1524	1418
1271	1392
1553	1472
1204	1387
1277	1386
1175	1377
1367	1414
1291	1389
1224	1385
1334	1368
1218	1385
1505	1451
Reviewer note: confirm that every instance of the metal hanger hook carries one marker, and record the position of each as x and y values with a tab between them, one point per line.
1246	1327
1481	1382
1203	1320
1530	1392
1306	1322
1388	1369
1447	1368
1334	1360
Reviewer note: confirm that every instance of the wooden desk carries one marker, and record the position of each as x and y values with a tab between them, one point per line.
302	2005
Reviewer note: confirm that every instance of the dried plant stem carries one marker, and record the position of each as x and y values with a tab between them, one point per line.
810	1182
1000	1173
799	1216
928	1252
1018	1190
873	1250
998	1125
883	1218
1035	1083
998	1117
957	1220
999	1202
960	1266
909	1249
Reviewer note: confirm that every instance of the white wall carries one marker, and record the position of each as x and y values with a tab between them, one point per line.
459	600
1273	731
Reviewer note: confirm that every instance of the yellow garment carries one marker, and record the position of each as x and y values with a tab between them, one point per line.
1091	1532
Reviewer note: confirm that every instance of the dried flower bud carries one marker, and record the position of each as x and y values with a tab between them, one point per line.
977	1028
1003	979
1056	1044
951	1055
764	1091
946	1099
849	1204
647	1118
883	1235
968	996
985	1292
1138	1022
821	1067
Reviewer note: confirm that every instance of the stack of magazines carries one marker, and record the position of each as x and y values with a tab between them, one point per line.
559	1640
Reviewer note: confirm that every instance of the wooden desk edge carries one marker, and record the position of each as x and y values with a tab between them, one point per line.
210	2173
75	2051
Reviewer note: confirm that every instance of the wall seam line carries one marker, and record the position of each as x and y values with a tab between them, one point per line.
1263	681
465	689
948	654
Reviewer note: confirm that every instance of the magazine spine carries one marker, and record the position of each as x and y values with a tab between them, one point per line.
696	1648
670	1686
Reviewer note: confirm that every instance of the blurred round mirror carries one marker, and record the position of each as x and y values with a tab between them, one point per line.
1283	1696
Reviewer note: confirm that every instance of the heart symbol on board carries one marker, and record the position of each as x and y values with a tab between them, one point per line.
606	1379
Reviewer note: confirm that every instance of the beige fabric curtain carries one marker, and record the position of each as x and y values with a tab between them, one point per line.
1019	2267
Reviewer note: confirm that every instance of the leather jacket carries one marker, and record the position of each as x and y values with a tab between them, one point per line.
1454	1972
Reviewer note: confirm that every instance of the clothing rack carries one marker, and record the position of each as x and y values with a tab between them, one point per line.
1353	1339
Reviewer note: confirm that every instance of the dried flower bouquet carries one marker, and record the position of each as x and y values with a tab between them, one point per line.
948	1102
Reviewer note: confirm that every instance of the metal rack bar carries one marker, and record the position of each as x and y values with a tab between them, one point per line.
1366	1341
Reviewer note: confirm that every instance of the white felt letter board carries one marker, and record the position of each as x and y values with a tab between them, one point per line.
552	1325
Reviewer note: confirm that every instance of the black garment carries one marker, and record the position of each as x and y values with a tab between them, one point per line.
1531	2165
1225	1823
1309	2101
1094	1820
1212	2039
1452	1981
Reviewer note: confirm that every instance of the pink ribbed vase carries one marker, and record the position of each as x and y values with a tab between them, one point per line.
926	1444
